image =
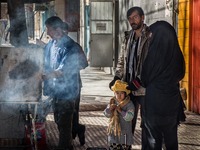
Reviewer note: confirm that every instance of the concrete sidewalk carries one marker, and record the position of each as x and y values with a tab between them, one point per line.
95	93
95	96
96	132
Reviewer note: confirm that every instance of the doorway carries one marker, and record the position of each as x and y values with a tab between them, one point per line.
101	33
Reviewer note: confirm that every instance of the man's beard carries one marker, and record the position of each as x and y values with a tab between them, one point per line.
136	26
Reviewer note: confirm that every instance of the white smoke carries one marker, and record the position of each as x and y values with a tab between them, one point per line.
15	85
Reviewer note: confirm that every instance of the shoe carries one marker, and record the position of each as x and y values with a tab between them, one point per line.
69	148
81	134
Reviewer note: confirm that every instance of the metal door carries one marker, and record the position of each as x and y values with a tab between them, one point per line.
195	61
101	33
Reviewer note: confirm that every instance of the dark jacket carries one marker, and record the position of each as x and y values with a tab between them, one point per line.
67	61
123	60
122	70
162	70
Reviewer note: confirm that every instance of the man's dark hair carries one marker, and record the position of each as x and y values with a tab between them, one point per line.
54	22
65	26
132	9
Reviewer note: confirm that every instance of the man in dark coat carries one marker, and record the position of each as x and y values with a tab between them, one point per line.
162	70
61	78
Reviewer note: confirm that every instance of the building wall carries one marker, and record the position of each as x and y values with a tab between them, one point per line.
60	8
82	23
183	37
124	5
4	11
154	10
174	11
72	17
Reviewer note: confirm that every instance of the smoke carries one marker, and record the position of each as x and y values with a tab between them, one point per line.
19	73
24	70
19	85
18	29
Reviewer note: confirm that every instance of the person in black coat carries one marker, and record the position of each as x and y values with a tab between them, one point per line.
62	65
163	69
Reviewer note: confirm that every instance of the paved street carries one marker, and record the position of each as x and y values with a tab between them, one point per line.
95	96
96	124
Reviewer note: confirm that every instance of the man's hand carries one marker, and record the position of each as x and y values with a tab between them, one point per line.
44	77
113	81
54	74
134	85
39	76
40	43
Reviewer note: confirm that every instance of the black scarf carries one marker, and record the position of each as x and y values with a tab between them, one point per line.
162	70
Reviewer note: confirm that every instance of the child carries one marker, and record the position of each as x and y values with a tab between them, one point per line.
120	110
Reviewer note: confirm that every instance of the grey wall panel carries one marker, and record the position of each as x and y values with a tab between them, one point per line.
101	34
101	10
124	5
156	10
101	51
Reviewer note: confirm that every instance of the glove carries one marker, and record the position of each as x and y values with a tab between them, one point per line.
113	81
134	85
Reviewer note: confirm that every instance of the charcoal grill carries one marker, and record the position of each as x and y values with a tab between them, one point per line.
19	86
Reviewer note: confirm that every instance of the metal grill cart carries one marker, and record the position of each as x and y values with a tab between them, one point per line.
20	91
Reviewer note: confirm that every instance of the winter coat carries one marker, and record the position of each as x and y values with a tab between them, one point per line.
67	61
125	121
162	70
123	63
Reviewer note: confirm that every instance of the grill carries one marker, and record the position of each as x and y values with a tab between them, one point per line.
19	69
20	88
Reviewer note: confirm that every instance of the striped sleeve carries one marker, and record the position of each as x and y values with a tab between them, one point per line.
128	115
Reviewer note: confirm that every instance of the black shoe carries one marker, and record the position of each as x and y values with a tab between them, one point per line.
69	148
81	134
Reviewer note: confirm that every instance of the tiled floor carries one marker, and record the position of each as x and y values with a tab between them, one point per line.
95	134
96	124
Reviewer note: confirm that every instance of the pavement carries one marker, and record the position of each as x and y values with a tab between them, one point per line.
95	92
95	96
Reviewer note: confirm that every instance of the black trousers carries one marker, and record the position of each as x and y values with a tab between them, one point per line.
159	130
76	127
138	102
76	114
63	115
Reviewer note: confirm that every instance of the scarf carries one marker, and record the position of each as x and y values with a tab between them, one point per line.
136	61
